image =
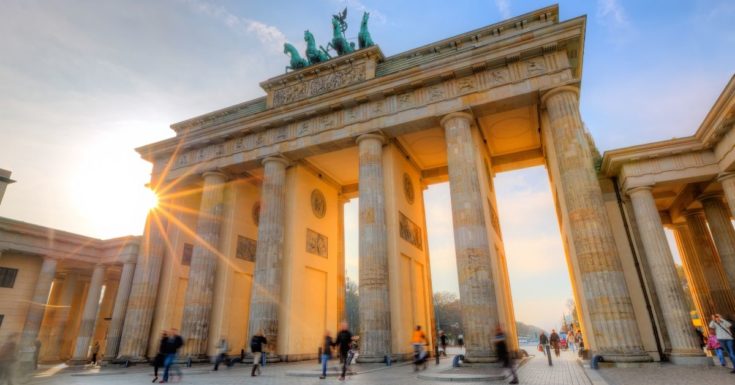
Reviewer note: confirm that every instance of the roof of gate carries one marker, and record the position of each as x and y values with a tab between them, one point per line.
396	63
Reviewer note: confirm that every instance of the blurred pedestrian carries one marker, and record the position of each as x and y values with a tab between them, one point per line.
95	352
257	344
8	358
724	335
714	346
443	342
543	341
344	339
555	342
171	347
326	353
501	349
222	349
160	356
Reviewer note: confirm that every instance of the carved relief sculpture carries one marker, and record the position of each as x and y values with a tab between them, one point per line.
246	248
318	203
255	213
316	243
410	232
408	188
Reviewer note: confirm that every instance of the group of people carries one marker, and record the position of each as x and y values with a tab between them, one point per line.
720	339
553	341
347	348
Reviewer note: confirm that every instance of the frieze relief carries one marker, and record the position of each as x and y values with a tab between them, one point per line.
319	85
316	243
409	231
492	77
246	248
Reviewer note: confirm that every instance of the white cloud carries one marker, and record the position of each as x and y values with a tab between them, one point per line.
610	12
503	8
269	36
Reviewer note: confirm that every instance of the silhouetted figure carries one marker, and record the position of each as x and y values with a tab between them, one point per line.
501	349
343	342
256	347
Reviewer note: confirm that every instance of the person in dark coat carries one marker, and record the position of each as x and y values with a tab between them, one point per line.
501	349
326	353
344	339
443	342
543	341
256	347
158	360
555	342
171	347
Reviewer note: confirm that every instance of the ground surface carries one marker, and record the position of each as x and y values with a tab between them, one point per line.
565	371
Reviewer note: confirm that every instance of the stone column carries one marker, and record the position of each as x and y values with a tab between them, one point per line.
603	286
474	265
35	314
142	299
118	312
727	180
375	328
200	290
684	345
89	316
341	277
708	261
61	318
718	218
266	292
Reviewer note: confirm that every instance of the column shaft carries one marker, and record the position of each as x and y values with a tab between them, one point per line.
61	318
603	286
89	316
665	279
375	327
200	290
728	185
474	265
718	218
266	292
143	293
118	313
36	311
708	261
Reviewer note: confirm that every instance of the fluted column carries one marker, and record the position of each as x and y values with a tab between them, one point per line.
374	299
718	218
728	186
36	311
708	261
603	286
200	290
266	292
474	267
665	279
61	318
118	312
89	316
143	293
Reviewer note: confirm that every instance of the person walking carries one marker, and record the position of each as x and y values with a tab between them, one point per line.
171	347
555	342
95	352
344	340
443	342
543	340
570	339
257	342
460	342
418	340
714	345
724	335
160	356
8	357
326	353
501	349
222	349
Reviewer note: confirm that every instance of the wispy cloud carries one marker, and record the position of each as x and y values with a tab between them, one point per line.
610	12
503	8
270	36
361	7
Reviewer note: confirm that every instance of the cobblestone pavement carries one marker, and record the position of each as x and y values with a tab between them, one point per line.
566	370
668	374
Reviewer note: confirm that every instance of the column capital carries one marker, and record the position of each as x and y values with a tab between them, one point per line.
693	212
276	158
456	115
215	172
545	97
725	176
633	190
372	135
710	196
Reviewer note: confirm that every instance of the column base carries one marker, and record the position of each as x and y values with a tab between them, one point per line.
365	359
481	359
77	362
691	360
624	357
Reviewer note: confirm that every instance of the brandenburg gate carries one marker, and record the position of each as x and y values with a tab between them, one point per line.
249	233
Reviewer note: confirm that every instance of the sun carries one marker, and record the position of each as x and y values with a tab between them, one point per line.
149	199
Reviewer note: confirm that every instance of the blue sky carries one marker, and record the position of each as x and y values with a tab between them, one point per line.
82	83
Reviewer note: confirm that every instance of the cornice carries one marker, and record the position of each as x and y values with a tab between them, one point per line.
719	117
613	160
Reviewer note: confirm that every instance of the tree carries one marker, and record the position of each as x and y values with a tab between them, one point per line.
352	304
